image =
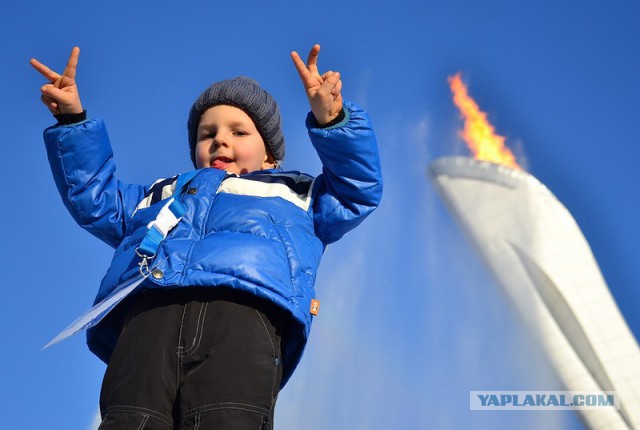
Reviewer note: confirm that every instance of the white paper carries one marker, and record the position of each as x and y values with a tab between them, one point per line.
94	315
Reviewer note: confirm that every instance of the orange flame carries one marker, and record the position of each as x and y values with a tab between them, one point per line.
479	135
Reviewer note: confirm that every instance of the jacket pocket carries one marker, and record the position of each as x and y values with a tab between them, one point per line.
290	252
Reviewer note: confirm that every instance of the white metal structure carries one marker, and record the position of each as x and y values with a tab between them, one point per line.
538	254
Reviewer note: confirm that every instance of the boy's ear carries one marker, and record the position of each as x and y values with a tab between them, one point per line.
269	158
269	161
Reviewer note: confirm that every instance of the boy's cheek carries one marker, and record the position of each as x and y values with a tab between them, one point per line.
202	156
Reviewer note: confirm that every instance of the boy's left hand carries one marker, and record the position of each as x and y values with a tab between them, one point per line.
323	91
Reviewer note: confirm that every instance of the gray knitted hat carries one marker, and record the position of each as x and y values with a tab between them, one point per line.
245	94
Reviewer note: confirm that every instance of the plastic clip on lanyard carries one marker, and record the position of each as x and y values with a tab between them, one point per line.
158	229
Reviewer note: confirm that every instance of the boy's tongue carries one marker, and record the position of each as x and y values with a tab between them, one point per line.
220	163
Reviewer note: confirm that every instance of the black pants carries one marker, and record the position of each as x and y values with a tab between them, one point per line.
194	359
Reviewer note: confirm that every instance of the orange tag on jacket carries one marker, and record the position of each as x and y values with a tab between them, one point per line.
315	306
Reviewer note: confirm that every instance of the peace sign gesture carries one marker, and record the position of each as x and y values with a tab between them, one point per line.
323	91
61	95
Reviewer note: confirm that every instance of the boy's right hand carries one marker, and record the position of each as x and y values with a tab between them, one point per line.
61	95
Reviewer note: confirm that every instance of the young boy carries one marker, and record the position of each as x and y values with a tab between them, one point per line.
222	316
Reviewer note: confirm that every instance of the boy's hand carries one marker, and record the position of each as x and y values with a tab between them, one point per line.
323	91
61	95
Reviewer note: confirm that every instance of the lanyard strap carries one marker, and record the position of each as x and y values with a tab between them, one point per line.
168	217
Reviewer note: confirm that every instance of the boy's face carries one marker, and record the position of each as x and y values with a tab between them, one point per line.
228	140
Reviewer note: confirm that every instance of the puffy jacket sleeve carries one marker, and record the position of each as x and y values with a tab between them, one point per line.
81	160
350	186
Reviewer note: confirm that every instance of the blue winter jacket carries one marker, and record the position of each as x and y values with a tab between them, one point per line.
261	233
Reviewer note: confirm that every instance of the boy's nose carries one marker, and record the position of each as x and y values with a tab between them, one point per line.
220	141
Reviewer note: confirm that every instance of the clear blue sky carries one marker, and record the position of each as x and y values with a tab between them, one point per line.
410	320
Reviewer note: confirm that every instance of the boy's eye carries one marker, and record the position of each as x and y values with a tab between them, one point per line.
239	133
